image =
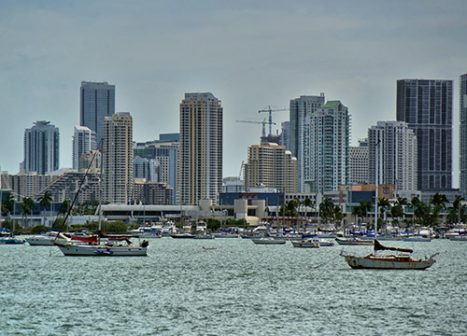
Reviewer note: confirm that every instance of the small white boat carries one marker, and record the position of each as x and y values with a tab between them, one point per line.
47	239
269	241
325	242
306	243
417	239
354	241
11	241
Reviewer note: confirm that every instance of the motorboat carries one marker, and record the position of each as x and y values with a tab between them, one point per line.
458	238
354	241
185	235
325	242
306	243
203	236
269	241
117	248
402	261
417	239
11	241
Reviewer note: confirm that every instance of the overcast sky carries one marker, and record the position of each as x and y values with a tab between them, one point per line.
249	54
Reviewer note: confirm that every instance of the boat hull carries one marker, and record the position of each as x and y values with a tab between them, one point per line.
370	262
103	251
354	241
268	241
305	244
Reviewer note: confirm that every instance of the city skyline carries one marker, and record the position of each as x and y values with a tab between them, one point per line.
258	63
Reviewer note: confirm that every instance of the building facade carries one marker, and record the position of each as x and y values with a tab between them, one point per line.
84	141
301	111
41	148
201	148
145	169
426	105
394	144
463	135
329	147
118	158
272	166
97	101
358	163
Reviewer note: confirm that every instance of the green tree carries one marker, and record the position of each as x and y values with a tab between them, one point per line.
308	203
439	203
357	212
366	207
326	210
64	207
27	206
213	224
45	200
8	204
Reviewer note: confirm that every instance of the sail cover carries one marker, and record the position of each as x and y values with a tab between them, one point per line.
378	247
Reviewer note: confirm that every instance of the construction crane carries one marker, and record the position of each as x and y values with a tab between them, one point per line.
269	110
256	122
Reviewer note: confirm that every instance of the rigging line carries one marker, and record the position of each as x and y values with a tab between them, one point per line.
77	192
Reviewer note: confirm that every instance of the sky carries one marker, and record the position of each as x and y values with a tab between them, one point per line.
249	54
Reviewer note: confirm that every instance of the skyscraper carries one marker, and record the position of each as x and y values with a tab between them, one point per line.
301	110
463	135
84	141
118	158
358	163
201	145
41	148
426	105
97	101
271	165
397	153
329	146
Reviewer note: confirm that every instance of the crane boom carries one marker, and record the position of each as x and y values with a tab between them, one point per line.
270	110
256	122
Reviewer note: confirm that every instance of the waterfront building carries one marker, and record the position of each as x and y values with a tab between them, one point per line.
329	146
284	139
397	154
165	153
358	163
201	148
41	148
148	192
272	166
145	168
84	141
91	162
118	158
26	184
233	184
301	110
426	105
463	135
97	101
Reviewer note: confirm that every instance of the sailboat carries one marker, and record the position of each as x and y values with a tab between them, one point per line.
103	246
399	261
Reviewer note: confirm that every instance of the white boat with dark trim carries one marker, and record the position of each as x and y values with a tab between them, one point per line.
398	262
354	241
306	243
417	239
117	248
269	241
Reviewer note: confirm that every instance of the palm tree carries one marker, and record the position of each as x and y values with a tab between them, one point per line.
357	212
326	209
27	206
366	207
439	203
308	203
383	204
45	201
8	204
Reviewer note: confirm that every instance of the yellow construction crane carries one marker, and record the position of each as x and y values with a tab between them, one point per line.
269	110
256	122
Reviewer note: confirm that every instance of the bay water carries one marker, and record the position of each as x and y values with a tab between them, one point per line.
230	287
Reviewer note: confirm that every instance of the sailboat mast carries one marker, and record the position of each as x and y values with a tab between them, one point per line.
376	185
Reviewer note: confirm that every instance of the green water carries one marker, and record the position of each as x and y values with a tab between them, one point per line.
238	288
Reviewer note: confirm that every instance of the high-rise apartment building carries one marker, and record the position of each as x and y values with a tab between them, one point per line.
301	110
329	145
272	166
118	158
145	169
84	141
358	163
426	105
201	146
97	101
394	144
41	148
463	135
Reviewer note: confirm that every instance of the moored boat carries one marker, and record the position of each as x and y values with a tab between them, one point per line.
417	239
306	243
354	241
269	241
182	235
122	248
397	262
11	241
